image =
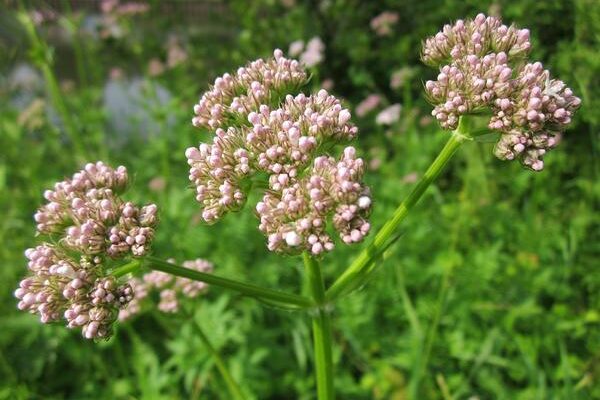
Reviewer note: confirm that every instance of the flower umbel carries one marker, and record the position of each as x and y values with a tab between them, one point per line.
89	227
483	68
280	135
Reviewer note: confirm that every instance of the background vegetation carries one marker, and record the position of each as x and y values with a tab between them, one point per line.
493	291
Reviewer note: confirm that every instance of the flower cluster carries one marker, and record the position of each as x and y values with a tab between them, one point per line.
483	67
260	82
532	116
468	85
170	288
281	138
89	226
88	214
295	216
480	36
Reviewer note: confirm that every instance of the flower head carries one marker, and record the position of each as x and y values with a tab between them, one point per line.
482	68
90	227
280	135
479	36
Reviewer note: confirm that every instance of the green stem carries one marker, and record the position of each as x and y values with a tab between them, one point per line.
321	330
354	272
72	26
127	268
287	299
233	387
41	57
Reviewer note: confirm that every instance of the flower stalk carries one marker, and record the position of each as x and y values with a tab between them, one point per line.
41	55
322	336
353	274
232	386
125	269
273	296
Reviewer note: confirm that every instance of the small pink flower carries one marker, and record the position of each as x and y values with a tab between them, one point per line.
400	77
382	24
389	115
368	104
411	177
176	54
328	84
116	73
296	48
155	67
157	184
313	54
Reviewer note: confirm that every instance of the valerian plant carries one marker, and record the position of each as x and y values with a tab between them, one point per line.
270	136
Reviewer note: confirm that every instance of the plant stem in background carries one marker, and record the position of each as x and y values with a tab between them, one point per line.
348	280
41	57
273	296
321	330
233	387
72	25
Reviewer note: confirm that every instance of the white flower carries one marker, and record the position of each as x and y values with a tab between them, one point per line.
313	54
296	48
389	115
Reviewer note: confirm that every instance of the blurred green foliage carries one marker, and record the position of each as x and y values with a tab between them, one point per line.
492	292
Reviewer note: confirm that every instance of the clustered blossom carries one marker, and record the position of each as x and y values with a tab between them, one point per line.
467	85
532	116
281	139
169	287
260	82
89	226
480	36
90	217
483	67
295	217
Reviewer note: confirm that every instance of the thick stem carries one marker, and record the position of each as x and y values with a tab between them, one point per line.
131	266
321	330
233	387
275	296
349	279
